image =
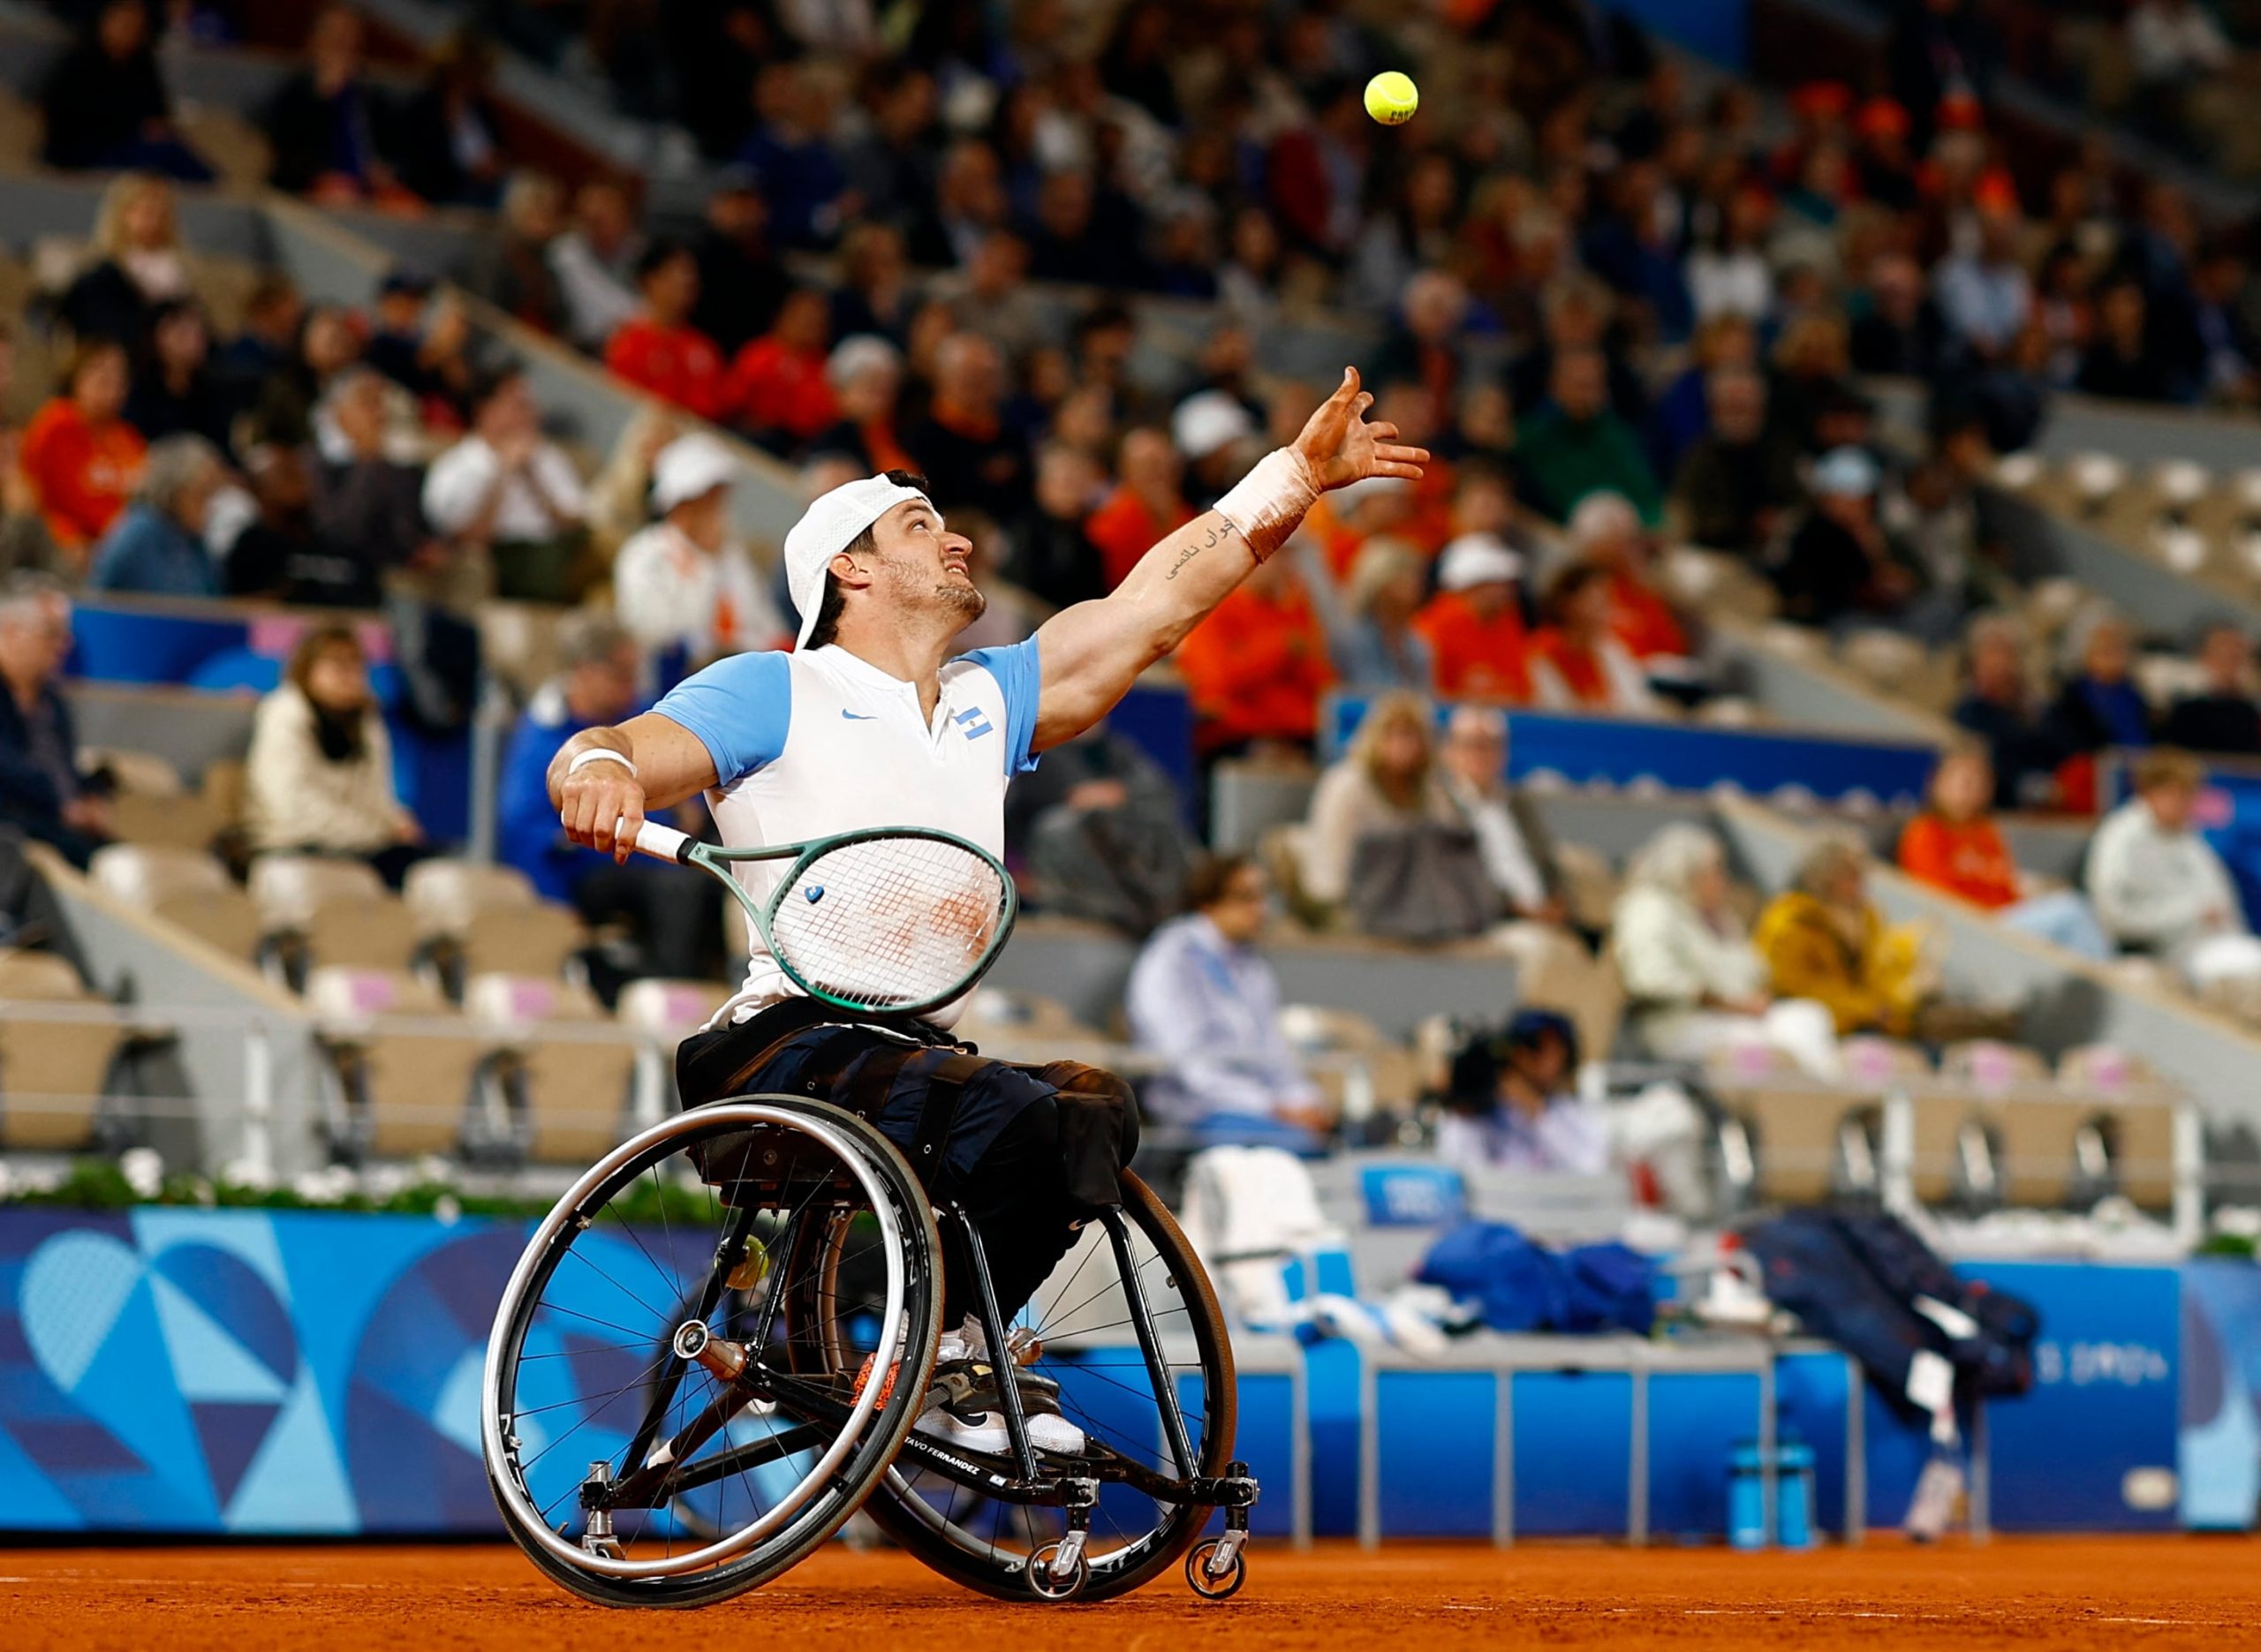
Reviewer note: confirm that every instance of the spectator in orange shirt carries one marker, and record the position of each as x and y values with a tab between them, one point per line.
1606	530
1955	847
657	349
80	454
1146	507
1344	520
1578	662
1256	667
1474	624
777	391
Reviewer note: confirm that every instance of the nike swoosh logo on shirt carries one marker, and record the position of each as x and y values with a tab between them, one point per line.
858	717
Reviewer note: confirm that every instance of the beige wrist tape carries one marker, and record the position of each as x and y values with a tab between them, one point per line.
1265	505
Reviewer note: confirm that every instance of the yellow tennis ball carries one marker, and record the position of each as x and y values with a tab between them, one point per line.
1391	97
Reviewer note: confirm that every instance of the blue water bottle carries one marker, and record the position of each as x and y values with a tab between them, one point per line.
1793	1495
1747	1498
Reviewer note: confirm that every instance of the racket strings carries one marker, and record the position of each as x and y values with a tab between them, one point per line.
892	920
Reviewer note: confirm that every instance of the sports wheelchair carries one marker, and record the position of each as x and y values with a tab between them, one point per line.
718	1344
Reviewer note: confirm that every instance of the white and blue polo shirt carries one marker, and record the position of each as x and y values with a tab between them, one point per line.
808	744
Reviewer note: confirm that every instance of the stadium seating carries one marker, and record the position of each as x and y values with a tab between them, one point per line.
57	1043
566	1071
319	911
152	806
487	919
185	887
408	1075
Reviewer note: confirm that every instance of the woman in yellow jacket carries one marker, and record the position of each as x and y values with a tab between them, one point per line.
1822	939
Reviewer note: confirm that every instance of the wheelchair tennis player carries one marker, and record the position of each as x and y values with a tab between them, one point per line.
872	722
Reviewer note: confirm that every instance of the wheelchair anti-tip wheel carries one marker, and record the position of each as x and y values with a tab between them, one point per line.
679	1404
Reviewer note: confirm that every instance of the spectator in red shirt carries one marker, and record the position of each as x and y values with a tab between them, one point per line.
80	454
657	349
777	390
1474	624
1578	662
1145	508
1607	531
1256	667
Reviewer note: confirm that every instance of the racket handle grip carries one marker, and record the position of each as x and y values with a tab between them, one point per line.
663	843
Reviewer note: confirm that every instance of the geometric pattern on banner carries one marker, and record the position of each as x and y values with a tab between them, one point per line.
297	1482
173	1369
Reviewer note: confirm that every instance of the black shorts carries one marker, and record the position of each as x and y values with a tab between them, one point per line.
937	1101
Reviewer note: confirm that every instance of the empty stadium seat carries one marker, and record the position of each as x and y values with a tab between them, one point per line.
2139	1107
1896	664
404	1092
1870	1061
1339	1046
1590	884
333	912
669	1009
152	803
1989	1066
183	886
54	1066
1808	1138
142	773
2106	1069
572	1093
491	919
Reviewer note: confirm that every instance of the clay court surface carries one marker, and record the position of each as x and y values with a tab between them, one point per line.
2121	1592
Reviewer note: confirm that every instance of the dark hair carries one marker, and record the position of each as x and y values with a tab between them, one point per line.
1567	585
85	353
662	252
1473	1087
1211	877
318	641
828	607
494	379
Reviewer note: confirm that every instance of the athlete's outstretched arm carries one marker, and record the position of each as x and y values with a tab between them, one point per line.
1092	652
670	762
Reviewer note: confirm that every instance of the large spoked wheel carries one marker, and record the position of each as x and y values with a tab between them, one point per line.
660	1426
1090	1346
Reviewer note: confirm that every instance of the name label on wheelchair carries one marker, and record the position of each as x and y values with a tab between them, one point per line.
934	1453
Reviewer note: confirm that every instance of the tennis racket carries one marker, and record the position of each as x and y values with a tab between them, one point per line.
896	920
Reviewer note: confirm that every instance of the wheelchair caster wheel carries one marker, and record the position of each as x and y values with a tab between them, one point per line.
1213	1589
1045	1587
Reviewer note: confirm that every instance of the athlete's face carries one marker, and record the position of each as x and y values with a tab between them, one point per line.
923	567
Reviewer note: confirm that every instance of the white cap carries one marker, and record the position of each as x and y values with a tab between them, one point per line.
689	466
1210	421
1478	559
827	528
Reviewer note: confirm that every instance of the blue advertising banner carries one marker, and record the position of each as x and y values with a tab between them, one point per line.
241	1372
1681	758
2094	1446
167	1371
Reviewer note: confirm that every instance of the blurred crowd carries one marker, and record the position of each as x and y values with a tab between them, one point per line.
1625	311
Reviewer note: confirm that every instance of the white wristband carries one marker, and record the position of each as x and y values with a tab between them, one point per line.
601	754
1265	505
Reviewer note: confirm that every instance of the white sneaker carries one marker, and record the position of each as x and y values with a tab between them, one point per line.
972	1421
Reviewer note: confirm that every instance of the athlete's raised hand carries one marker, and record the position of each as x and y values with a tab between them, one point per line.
1341	448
